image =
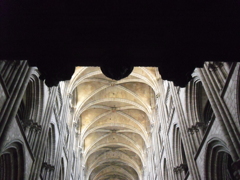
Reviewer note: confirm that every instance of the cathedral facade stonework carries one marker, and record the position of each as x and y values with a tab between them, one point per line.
137	128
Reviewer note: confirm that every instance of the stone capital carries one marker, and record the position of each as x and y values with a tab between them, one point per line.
195	128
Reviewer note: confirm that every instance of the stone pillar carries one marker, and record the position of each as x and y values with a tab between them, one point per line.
162	113
61	146
9	111
184	136
221	112
41	145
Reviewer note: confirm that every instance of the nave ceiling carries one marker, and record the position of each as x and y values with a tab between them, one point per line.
113	119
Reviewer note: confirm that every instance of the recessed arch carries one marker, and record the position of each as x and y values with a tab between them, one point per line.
218	160
12	163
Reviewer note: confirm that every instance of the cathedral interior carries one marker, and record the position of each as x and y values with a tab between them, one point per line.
119	90
140	127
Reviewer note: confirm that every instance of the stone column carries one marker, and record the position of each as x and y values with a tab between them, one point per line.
41	145
61	142
163	116
9	111
185	138
222	113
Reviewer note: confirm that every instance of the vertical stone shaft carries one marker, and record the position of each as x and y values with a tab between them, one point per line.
36	168
222	114
186	141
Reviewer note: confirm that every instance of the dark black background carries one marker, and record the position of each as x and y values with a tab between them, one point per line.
174	35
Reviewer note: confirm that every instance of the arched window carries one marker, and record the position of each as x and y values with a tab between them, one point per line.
202	113
32	101
12	163
29	112
218	161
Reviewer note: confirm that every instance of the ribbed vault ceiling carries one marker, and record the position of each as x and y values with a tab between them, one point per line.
114	120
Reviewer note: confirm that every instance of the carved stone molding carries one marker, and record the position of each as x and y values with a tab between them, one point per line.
190	131
176	169
48	166
183	167
180	168
195	128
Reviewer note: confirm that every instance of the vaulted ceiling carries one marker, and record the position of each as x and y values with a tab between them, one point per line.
114	120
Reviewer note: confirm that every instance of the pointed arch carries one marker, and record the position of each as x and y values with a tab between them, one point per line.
218	161
178	151
12	162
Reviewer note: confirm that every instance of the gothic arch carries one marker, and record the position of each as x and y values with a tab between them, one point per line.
92	103
199	110
218	161
80	76
115	162
179	152
128	129
30	110
114	114
32	100
12	162
49	154
130	148
197	100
